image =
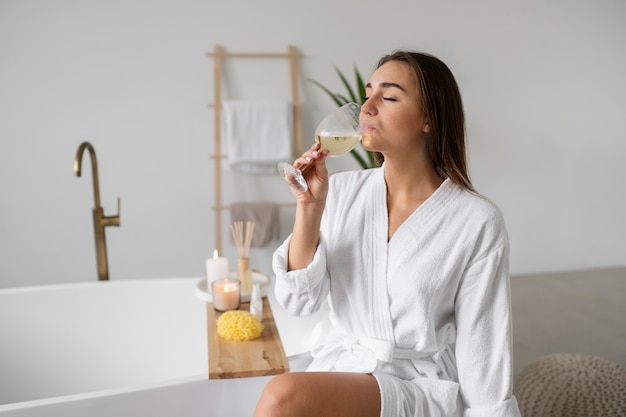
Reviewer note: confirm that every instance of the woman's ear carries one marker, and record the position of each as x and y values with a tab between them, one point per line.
426	128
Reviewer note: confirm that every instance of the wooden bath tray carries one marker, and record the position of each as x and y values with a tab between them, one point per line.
258	357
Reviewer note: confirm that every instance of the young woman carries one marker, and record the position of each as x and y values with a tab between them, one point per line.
412	260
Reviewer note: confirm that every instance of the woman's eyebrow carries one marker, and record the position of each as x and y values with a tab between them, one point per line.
387	85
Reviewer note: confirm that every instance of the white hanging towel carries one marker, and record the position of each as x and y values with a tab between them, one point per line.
258	134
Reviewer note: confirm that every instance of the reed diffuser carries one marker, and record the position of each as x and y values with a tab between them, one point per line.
243	238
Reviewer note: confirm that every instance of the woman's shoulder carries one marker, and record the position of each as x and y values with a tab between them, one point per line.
478	209
472	200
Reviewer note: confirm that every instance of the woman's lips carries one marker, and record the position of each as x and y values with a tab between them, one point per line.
366	127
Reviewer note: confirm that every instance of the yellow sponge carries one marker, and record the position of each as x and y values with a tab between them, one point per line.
239	325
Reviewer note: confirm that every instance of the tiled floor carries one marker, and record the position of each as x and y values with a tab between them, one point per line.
569	312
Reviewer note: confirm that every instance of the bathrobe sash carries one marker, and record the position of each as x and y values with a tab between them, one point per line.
348	353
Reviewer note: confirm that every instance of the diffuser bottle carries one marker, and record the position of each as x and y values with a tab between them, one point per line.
244	274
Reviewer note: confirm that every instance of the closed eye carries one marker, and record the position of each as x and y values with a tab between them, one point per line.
384	98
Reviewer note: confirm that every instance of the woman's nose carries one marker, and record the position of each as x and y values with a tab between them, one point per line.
366	108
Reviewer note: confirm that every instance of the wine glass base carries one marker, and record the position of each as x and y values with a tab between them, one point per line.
293	176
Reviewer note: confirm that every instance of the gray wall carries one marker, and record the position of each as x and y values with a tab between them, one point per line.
543	84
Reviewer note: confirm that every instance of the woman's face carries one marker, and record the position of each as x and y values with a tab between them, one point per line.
391	118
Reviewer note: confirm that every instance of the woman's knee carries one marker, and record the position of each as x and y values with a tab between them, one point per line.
305	394
279	397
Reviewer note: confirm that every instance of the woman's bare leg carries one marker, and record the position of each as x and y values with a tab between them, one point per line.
328	394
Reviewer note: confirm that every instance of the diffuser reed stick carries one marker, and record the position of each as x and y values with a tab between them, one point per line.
243	239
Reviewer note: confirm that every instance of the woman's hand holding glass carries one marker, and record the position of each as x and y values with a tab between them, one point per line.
312	168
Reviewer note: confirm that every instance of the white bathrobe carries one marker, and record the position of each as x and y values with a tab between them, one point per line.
427	313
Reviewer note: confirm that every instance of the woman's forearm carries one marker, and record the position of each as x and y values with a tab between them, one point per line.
306	234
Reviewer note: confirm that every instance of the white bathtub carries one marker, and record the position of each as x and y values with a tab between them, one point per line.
123	348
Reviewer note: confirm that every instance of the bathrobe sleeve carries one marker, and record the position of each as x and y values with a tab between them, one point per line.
301	292
484	340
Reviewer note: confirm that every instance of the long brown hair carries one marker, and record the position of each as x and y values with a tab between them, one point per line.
443	107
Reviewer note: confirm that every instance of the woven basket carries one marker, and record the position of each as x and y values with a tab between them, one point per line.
569	385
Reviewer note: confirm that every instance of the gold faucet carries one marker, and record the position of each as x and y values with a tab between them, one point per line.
100	221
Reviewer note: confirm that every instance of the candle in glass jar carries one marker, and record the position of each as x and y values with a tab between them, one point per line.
226	294
216	268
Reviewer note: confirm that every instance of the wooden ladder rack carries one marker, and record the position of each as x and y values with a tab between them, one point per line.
218	55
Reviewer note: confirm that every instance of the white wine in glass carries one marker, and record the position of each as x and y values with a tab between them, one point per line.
339	133
338	145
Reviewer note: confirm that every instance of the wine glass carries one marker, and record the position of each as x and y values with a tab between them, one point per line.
339	133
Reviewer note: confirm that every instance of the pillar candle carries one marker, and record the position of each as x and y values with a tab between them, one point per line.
216	268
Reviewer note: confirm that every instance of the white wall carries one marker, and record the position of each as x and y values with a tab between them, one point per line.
543	84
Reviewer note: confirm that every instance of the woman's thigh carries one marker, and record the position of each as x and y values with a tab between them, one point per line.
303	394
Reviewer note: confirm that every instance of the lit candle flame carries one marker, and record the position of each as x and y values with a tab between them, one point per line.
215	254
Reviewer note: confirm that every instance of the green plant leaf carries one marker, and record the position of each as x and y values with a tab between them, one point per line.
372	158
355	153
347	85
330	93
360	85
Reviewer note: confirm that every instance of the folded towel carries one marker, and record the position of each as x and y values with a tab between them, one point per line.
264	215
258	135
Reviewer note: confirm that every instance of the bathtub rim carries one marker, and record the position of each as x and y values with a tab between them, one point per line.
100	393
82	284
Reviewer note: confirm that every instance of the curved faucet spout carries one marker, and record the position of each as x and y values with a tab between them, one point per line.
78	162
100	221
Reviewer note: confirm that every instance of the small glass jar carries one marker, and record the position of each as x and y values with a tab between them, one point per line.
226	294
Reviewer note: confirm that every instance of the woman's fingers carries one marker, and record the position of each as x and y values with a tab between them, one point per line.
307	160
311	165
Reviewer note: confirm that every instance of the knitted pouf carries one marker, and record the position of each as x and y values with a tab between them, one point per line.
568	385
